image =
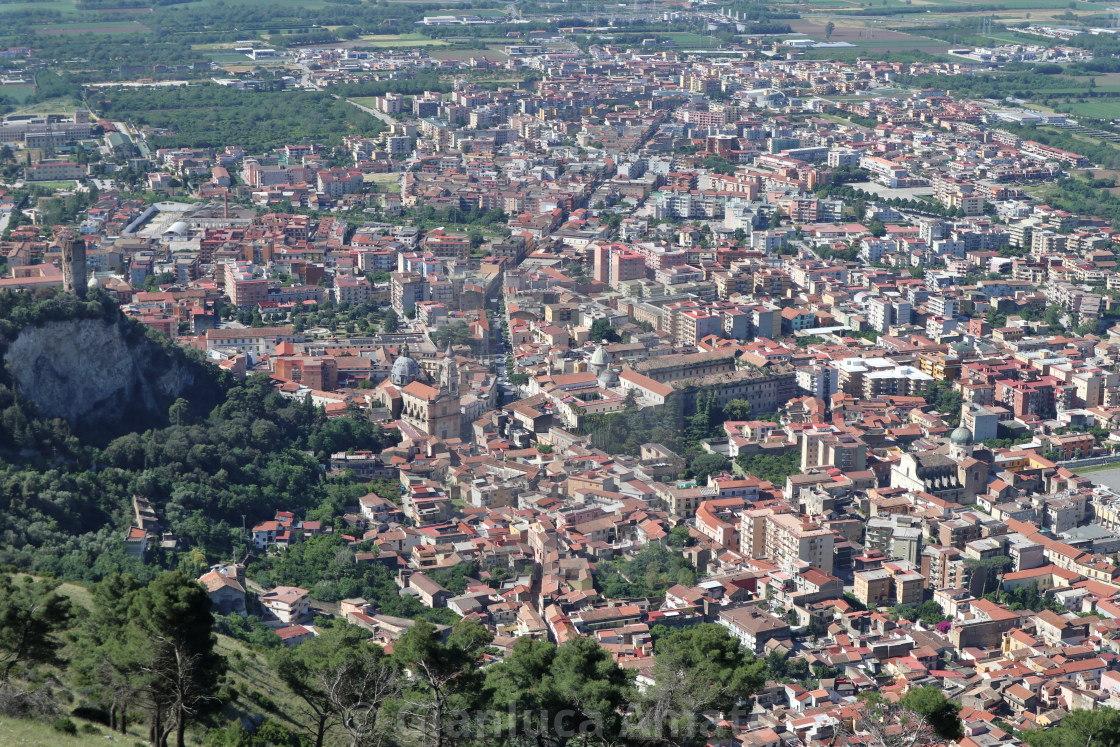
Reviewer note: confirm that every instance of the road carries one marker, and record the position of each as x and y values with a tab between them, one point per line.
124	130
305	76
380	115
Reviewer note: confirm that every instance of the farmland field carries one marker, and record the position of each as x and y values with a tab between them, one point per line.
65	7
964	6
271	3
1097	109
864	37
400	41
465	54
467	10
130	27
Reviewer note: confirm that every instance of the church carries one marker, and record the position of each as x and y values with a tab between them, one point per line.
431	407
953	476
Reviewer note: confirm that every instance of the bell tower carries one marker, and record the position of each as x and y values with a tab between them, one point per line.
74	266
449	372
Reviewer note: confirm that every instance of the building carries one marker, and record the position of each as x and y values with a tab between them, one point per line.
753	628
243	289
872	588
407	289
226	590
352	290
288	604
788	540
318	372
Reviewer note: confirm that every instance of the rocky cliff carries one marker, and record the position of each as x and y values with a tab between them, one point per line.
91	371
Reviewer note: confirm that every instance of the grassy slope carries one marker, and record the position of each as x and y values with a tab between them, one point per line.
22	732
257	694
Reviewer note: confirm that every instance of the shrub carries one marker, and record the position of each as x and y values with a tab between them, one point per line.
65	726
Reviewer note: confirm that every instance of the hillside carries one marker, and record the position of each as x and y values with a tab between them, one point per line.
249	690
87	363
85	395
255	695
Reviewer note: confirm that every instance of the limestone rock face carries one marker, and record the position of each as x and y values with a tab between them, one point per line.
90	371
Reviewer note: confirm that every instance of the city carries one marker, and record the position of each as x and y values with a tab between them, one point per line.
673	373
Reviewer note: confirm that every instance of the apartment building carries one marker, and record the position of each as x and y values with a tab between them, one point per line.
788	540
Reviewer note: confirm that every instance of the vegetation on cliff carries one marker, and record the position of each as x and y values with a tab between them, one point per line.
237	452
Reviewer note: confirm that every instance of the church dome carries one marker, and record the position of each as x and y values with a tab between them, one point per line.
405	371
94	283
608	379
961	436
600	357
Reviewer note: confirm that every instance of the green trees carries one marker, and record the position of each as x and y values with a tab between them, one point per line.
704	465
216	116
246	458
548	695
445	682
699	669
1026	598
705	421
737	409
929	612
602	329
521	685
456	333
881	723
1097	728
343	681
32	615
626	431
680	537
139	646
986	571
939	712
172	653
648	574
594	690
944	396
104	666
772	467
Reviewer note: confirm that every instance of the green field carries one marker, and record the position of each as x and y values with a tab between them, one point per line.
310	4
492	52
683	39
63	29
18	94
402	41
56	186
65	7
1096	109
949	5
385	182
466	10
915	43
225	58
367	101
